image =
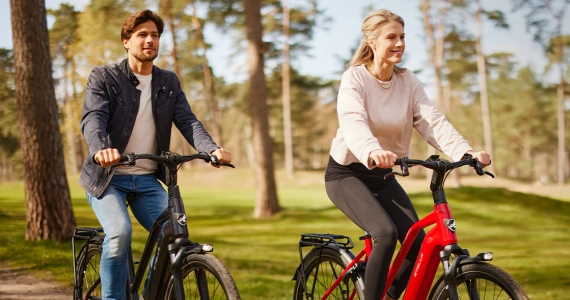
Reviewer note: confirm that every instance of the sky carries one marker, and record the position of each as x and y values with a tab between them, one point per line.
341	34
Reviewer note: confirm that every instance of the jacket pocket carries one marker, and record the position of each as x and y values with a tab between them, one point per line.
119	97
161	104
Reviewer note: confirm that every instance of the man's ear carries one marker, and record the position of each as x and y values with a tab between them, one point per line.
126	44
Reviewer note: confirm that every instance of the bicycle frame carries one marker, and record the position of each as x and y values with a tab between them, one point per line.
170	238
440	242
428	260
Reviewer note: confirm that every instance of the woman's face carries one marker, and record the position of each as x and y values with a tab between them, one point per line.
389	46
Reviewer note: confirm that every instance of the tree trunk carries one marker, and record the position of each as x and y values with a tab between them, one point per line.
287	130
435	42
77	137
481	69
212	103
178	141
266	204
68	123
49	213
560	109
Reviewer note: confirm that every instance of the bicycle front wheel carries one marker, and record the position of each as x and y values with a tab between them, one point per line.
88	281
204	277
322	269
482	281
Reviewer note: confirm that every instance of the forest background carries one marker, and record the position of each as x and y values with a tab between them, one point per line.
498	70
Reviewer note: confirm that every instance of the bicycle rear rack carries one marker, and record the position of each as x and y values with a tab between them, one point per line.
88	234
323	240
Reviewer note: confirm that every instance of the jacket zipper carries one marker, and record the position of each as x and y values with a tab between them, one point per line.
156	123
119	97
164	102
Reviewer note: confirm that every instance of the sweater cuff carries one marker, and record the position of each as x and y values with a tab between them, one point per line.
365	154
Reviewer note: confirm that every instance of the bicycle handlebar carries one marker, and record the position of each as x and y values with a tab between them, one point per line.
170	158
439	165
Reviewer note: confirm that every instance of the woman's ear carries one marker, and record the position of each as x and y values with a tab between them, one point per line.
372	44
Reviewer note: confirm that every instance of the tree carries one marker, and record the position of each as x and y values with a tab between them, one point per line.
498	17
545	19
49	214
62	36
9	133
266	199
473	8
286	82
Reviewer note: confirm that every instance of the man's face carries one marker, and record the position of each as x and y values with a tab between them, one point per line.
144	42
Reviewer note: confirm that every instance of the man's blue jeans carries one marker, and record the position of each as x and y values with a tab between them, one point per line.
111	210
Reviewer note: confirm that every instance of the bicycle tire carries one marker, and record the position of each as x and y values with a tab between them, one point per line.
88	285
219	281
491	282
330	265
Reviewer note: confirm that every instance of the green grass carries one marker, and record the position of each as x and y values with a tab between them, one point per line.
528	234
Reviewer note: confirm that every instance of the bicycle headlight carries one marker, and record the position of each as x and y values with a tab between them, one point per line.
207	247
486	255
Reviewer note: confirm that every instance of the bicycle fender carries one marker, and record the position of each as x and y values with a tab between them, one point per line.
460	260
349	256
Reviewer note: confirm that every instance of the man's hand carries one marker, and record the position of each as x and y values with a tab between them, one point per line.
107	157
223	155
483	157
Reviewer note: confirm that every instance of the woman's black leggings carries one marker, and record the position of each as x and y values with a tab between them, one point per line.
387	217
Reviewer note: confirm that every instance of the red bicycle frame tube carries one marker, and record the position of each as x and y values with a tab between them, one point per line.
428	259
339	279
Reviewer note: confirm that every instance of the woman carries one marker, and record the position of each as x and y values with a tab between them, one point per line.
378	105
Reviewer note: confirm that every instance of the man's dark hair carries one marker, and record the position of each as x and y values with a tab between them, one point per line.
138	18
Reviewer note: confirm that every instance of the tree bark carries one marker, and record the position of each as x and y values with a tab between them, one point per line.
287	128
49	214
482	71
266	204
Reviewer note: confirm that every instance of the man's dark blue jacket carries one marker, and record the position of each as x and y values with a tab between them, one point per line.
110	111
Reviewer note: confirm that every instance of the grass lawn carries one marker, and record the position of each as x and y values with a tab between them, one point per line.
528	234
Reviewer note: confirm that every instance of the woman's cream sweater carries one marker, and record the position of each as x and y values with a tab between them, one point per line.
380	115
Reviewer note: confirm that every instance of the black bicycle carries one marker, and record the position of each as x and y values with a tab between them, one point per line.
180	268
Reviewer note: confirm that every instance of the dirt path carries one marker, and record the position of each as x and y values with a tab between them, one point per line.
21	284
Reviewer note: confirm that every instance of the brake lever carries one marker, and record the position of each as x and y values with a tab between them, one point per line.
490	174
216	162
392	174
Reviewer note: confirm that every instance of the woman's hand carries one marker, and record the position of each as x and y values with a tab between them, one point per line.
382	159
483	157
107	157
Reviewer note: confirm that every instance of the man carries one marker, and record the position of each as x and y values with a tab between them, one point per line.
130	107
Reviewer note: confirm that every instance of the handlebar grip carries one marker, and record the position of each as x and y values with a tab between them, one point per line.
398	162
124	158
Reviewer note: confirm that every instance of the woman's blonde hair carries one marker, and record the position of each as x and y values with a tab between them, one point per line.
371	29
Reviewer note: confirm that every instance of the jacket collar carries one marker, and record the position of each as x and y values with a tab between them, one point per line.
126	68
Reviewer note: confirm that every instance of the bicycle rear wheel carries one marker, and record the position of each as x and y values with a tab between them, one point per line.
482	281
88	283
204	277
321	271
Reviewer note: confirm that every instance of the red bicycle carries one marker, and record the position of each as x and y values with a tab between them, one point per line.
331	271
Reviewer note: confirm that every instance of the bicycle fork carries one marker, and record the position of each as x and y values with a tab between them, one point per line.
462	257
